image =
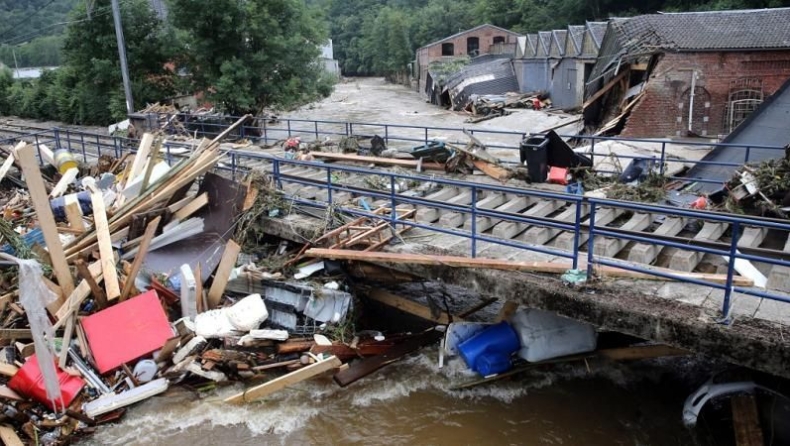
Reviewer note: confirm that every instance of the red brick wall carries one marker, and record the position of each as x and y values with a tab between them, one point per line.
664	109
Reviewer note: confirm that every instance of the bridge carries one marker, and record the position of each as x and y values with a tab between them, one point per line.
662	273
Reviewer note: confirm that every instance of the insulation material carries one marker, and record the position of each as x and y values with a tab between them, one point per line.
127	331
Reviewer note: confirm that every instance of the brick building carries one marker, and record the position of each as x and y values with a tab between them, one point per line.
680	74
478	41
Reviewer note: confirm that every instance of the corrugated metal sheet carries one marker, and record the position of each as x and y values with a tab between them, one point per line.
488	77
536	74
564	86
767	126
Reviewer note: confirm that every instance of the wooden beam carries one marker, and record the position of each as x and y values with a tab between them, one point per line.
493	171
65	180
746	421
605	88
96	290
106	252
192	207
9	436
40	199
80	293
8	369
641	352
141	157
150	230
15	333
408	306
284	381
507	265
226	264
376	160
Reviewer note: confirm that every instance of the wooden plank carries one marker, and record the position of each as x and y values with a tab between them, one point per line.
106	252
9	436
226	264
641	352
605	88
6	166
150	230
506	265
173	208
96	290
493	171
15	333
408	306
141	157
65	180
80	293
40	199
199	294
365	367
376	160
8	369
284	381
74	213
746	421
192	207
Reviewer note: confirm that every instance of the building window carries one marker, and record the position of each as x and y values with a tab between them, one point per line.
499	39
448	49
472	46
746	94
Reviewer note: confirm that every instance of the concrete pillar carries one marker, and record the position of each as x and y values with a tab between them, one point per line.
513	204
509	229
645	253
609	247
430	215
603	217
688	260
752	237
456	219
538	235
779	278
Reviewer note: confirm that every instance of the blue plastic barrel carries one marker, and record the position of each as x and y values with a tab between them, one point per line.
499	338
492	363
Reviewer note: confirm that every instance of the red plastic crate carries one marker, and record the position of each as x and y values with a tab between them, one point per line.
127	331
29	382
558	175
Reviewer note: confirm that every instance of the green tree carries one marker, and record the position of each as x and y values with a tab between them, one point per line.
250	54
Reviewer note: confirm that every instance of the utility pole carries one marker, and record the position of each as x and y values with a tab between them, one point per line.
16	64
127	88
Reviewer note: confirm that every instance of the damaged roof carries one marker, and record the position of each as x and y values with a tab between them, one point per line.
485	25
760	29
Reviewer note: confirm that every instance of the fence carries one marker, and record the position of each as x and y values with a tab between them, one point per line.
237	163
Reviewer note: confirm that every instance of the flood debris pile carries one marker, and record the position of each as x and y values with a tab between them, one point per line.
485	107
761	189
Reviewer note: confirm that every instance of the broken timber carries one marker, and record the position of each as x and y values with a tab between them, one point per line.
506	265
284	381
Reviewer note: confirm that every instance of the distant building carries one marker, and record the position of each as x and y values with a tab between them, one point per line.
478	41
679	74
327	59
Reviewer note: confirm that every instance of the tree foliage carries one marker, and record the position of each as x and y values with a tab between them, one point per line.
251	54
33	30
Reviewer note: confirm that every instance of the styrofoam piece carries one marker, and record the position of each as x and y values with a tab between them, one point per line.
746	269
214	324
145	370
248	313
188	292
545	335
108	403
321	340
309	269
253	335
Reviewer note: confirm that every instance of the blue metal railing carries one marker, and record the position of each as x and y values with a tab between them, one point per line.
236	161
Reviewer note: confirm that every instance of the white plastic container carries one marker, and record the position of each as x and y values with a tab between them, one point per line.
546	335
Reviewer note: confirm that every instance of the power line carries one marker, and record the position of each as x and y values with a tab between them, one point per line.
40	32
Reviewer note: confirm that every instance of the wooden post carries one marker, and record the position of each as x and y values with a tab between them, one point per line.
38	194
226	264
74	213
96	290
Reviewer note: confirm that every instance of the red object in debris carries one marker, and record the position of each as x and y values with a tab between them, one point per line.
29	382
699	203
536	104
292	143
127	331
558	175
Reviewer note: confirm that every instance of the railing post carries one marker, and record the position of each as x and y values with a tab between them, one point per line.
386	134
278	183
232	165
592	152
663	157
591	241
116	146
56	131
746	158
350	129
329	184
474	222
393	211
289	128
265	135
98	146
316	130
347	133
426	136
68	139
38	151
725	307
577	234
169	155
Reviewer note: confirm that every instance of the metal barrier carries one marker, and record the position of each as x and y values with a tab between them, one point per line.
236	161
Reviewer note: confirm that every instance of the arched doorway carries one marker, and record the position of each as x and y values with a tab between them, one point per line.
695	108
